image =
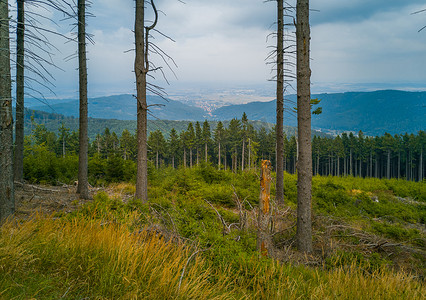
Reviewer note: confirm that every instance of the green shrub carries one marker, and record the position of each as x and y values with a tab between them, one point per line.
398	232
43	166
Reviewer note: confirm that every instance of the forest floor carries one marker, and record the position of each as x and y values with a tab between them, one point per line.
46	199
369	240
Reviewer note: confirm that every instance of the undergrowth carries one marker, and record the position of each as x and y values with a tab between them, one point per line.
49	258
175	246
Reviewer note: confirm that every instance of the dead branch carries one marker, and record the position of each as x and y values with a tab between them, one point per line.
226	228
187	262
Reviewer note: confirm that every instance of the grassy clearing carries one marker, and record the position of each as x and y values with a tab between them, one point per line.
115	247
51	259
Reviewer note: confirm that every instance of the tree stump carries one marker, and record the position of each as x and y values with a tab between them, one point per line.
264	238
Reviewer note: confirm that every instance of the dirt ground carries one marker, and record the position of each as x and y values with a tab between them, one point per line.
45	199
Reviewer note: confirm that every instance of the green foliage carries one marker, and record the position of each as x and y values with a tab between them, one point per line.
398	232
372	262
82	253
43	166
354	197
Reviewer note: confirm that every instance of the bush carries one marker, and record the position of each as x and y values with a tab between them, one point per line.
43	166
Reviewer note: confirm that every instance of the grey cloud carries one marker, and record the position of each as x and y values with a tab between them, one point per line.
350	11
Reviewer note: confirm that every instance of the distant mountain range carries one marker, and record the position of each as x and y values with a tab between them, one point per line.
53	122
372	112
123	107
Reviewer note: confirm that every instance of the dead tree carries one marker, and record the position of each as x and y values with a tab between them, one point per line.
280	104
304	163
264	237
19	124
143	66
282	58
83	184
33	57
141	71
7	196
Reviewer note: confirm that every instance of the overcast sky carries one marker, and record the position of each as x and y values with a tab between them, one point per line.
356	44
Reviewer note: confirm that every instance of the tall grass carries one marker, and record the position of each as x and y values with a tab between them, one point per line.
79	258
52	259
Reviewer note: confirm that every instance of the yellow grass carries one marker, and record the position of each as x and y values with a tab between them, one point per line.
105	261
44	258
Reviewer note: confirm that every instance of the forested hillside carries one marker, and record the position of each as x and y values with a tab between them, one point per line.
123	107
53	122
374	113
174	143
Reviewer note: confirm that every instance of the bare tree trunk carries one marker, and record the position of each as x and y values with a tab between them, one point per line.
421	165
184	157
280	105
198	156
399	164
83	186
371	164
304	163
190	157
388	166
264	238
63	145
7	195
205	152
156	160
338	166
232	162
318	162
243	155
218	160
249	154
376	167
19	125
141	70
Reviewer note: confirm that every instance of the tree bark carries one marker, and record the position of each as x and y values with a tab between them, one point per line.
264	238
345	173
388	166
198	156
7	195
371	164
421	164
218	160
249	154
83	185
243	155
141	70
280	105
399	164
304	163
338	166
20	113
